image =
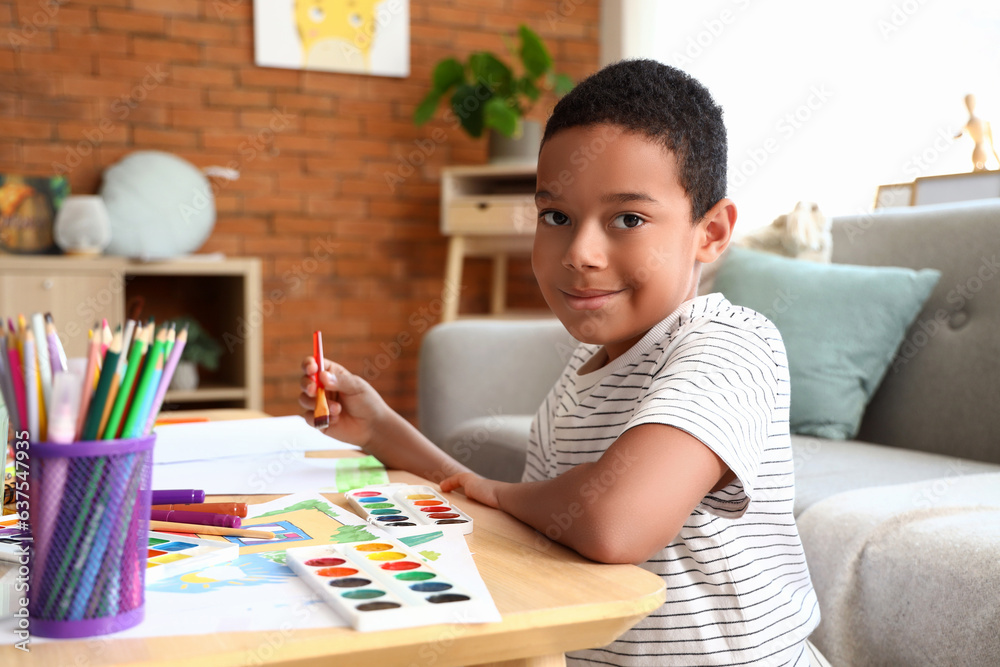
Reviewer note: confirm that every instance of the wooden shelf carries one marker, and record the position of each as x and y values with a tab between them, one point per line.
222	294
486	210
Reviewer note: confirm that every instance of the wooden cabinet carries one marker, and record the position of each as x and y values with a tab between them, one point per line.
224	295
486	210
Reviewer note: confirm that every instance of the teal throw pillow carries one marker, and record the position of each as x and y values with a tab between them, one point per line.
841	325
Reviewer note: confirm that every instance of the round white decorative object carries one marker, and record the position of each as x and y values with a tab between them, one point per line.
159	204
82	226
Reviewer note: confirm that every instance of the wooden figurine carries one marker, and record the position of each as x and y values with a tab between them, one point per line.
981	134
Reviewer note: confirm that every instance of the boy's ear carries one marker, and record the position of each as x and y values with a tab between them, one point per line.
715	230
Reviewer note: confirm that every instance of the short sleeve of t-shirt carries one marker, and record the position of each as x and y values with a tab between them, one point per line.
719	384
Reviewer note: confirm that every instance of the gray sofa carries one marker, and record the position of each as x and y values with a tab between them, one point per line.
902	526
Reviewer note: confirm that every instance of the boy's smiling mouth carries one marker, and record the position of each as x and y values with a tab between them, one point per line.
588	299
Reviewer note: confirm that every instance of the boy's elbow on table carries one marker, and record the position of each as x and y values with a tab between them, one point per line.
606	540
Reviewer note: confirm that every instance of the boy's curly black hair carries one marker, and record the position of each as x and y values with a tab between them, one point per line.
663	103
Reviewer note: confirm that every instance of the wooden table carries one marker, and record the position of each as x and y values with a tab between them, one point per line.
551	599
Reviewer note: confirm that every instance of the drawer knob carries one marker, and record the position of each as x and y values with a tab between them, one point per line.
47	284
483	205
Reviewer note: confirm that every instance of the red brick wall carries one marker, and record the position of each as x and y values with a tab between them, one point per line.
84	82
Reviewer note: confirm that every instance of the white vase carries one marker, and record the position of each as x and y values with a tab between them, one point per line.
185	377
82	225
521	147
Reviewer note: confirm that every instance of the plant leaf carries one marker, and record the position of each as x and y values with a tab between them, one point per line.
501	117
528	87
449	72
487	70
534	55
467	102
563	85
426	109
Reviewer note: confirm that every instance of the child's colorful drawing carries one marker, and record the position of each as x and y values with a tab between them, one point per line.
359	36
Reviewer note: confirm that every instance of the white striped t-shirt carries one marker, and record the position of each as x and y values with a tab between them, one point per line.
738	590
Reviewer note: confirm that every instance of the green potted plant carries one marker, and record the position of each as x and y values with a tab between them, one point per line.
200	351
488	94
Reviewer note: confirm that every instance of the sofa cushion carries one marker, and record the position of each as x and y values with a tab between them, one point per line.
824	468
493	446
906	574
841	326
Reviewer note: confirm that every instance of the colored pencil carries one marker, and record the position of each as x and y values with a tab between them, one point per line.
31	390
96	410
17	379
116	379
321	414
106	336
171	339
124	484
7	386
44	366
62	430
168	373
143	400
93	362
135	356
196	529
56	344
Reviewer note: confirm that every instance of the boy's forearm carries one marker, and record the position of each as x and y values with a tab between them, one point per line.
400	446
561	509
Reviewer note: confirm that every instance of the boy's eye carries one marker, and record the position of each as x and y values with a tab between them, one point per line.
627	221
555	218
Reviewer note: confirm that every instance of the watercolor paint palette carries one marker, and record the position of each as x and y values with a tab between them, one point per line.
170	555
380	585
406	509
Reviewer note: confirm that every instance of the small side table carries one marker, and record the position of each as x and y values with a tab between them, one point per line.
486	211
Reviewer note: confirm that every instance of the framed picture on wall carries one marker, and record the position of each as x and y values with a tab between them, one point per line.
896	194
28	205
360	37
956	187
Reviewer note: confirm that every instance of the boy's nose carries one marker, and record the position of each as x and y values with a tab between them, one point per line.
586	249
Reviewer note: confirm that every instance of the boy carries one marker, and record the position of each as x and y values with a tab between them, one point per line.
675	404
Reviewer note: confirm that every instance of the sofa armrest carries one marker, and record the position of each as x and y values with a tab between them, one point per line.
481	368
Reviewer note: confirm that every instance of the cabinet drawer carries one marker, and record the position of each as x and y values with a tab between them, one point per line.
490	215
76	301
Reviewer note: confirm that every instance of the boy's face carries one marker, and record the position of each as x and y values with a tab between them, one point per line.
615	247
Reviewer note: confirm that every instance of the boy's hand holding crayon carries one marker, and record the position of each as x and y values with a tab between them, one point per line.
355	413
355	407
